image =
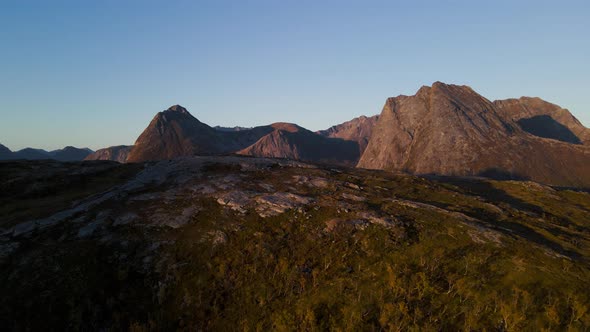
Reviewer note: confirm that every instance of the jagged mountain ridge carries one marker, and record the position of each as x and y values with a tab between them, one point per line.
443	129
452	130
175	133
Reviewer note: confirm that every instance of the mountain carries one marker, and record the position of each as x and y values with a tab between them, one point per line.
117	153
173	133
290	141
358	130
452	130
176	133
5	153
68	153
544	119
31	154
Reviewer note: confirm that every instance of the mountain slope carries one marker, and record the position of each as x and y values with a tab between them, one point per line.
358	130
173	133
450	129
293	142
32	154
117	153
5	153
70	153
176	133
544	119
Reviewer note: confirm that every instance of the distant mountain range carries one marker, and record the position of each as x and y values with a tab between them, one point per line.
69	153
443	129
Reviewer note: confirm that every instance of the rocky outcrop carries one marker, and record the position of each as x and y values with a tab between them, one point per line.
544	119
117	153
357	130
452	130
293	142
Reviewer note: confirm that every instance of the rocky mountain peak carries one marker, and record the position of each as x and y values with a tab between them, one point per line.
285	126
177	108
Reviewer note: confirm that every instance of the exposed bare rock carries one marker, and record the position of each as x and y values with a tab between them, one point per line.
236	200
452	130
175	133
311	181
353	197
271	205
115	153
544	119
357	130
290	141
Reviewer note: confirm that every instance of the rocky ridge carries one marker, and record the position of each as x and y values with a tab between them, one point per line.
452	130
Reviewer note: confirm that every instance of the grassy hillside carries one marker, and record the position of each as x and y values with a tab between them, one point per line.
249	244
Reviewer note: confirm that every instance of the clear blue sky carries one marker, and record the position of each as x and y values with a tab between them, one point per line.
94	73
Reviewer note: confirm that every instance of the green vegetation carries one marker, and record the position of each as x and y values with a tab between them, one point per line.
458	254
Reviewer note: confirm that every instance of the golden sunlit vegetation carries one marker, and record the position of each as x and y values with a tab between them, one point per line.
445	254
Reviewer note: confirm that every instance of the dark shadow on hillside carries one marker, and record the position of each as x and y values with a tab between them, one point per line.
546	127
509	228
502	174
490	193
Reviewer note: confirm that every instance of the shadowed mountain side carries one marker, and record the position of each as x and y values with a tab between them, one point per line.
175	133
546	127
31	154
293	142
69	153
529	108
5	152
452	130
358	130
117	153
